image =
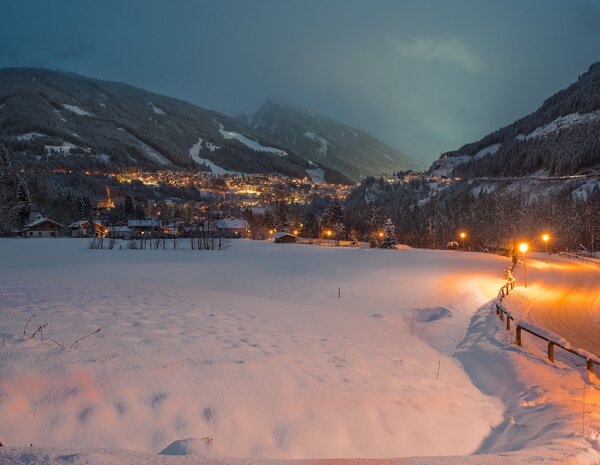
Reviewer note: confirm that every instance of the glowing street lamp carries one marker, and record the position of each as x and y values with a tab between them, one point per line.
546	239
523	248
380	234
463	236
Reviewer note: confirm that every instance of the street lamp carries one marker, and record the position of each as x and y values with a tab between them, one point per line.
463	236
523	248
546	239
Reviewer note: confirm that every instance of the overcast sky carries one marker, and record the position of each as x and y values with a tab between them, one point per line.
423	76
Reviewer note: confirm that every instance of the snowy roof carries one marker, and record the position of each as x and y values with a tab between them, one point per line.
280	234
43	220
119	229
82	222
231	223
148	223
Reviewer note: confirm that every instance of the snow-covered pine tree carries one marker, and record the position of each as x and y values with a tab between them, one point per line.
389	235
22	209
8	190
334	217
282	219
269	219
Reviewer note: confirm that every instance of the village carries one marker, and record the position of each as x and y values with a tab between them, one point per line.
224	200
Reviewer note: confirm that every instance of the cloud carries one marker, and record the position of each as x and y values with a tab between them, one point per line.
449	50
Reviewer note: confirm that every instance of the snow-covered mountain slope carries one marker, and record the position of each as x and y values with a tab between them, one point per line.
43	111
560	138
327	142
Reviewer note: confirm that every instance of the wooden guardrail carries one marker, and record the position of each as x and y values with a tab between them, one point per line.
552	340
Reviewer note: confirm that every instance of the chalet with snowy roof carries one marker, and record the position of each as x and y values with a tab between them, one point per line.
284	237
81	228
120	232
147	226
233	227
43	227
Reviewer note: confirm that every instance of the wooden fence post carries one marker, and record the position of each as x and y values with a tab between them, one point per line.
589	364
551	351
518	335
507	323
501	315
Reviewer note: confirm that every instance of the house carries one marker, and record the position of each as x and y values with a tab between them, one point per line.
233	227
120	232
43	227
147	226
283	237
80	228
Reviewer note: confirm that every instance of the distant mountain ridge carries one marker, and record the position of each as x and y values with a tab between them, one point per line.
89	122
322	140
559	138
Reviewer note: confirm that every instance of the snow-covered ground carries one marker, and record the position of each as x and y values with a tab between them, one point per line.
252	144
252	347
77	110
215	169
559	123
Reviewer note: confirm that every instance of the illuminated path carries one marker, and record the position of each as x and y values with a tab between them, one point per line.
562	296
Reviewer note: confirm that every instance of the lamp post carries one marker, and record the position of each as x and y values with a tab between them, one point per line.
523	248
463	236
546	239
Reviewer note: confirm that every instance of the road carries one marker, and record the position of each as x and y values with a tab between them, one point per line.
563	296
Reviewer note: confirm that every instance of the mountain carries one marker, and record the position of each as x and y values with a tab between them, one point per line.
322	140
559	138
538	174
85	122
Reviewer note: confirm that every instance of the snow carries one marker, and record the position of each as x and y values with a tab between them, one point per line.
492	149
252	348
75	109
155	109
64	149
317	175
149	151
194	153
257	147
2	106
444	166
30	136
561	122
323	143
231	223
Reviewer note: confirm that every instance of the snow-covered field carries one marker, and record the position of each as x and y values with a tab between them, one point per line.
252	347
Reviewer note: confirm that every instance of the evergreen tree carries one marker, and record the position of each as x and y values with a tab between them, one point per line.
269	219
22	208
389	235
129	209
282	220
334	217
